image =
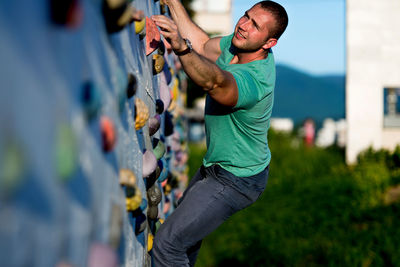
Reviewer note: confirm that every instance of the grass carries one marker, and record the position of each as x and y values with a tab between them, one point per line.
315	211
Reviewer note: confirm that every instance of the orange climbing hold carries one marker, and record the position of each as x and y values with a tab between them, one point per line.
153	36
108	133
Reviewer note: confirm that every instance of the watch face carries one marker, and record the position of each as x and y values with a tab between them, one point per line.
189	44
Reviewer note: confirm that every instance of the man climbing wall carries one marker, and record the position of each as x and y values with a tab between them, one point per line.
238	74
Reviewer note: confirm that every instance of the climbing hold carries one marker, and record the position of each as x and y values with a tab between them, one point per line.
158	148
127	178
172	71
150	240
169	125
152	212
172	106
13	166
158	224
167	73
154	124
130	191
167	206
161	48
101	255
66	151
152	178
175	89
139	27
158	63
149	163
167	189
154	195
108	133
66	12
117	14
140	224
159	106
163	7
141	113
153	36
116	222
158	171
164	183
132	86
133	203
164	171
91	99
165	93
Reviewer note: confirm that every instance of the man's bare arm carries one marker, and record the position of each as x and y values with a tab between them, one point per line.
219	84
201	42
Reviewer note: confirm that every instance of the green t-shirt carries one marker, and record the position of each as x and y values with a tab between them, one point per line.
237	137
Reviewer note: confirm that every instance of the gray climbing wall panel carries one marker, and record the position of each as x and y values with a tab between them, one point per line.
68	127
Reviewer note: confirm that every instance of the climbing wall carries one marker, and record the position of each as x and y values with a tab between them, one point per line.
92	133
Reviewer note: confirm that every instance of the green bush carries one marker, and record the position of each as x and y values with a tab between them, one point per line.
315	211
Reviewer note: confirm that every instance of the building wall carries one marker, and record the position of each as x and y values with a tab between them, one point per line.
373	63
215	17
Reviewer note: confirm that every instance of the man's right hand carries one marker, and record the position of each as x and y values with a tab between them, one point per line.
170	31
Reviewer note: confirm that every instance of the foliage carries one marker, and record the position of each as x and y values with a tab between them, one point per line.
187	5
315	211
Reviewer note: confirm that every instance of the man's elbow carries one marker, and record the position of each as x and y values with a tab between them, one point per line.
210	86
224	96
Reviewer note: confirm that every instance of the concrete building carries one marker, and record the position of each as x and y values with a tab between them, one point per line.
373	75
284	125
214	16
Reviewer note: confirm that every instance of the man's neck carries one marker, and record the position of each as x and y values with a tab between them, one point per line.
246	57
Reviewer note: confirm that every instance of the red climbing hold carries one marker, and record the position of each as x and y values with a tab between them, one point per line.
153	36
108	133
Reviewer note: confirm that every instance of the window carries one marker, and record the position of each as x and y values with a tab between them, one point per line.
391	107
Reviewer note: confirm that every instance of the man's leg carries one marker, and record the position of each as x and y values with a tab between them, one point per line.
205	206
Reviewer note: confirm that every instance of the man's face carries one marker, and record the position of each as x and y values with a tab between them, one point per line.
252	29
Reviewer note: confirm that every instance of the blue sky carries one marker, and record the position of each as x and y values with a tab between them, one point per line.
315	38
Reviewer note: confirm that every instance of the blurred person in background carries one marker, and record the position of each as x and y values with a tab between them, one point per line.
238	74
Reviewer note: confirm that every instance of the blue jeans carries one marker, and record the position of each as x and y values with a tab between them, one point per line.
213	195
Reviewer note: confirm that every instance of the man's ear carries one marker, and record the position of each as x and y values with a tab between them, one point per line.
271	42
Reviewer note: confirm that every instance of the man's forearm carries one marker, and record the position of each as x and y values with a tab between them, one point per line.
187	28
219	84
201	70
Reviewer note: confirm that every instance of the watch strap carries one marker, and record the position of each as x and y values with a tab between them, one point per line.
186	51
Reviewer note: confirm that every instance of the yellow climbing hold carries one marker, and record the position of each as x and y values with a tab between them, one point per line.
158	63
142	113
127	178
139	26
133	203
150	241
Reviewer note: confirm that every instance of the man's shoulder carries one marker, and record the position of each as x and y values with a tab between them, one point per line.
225	42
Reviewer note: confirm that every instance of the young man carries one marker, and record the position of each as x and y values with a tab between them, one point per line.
238	74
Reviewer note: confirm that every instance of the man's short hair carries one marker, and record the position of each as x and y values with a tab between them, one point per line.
280	15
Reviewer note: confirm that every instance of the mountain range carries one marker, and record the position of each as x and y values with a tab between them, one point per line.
299	95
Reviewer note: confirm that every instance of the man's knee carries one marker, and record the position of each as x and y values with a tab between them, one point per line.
165	241
167	250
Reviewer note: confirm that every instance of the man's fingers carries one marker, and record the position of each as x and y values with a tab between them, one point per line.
166	25
162	19
166	34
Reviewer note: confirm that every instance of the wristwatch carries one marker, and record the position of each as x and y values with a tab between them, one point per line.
187	50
